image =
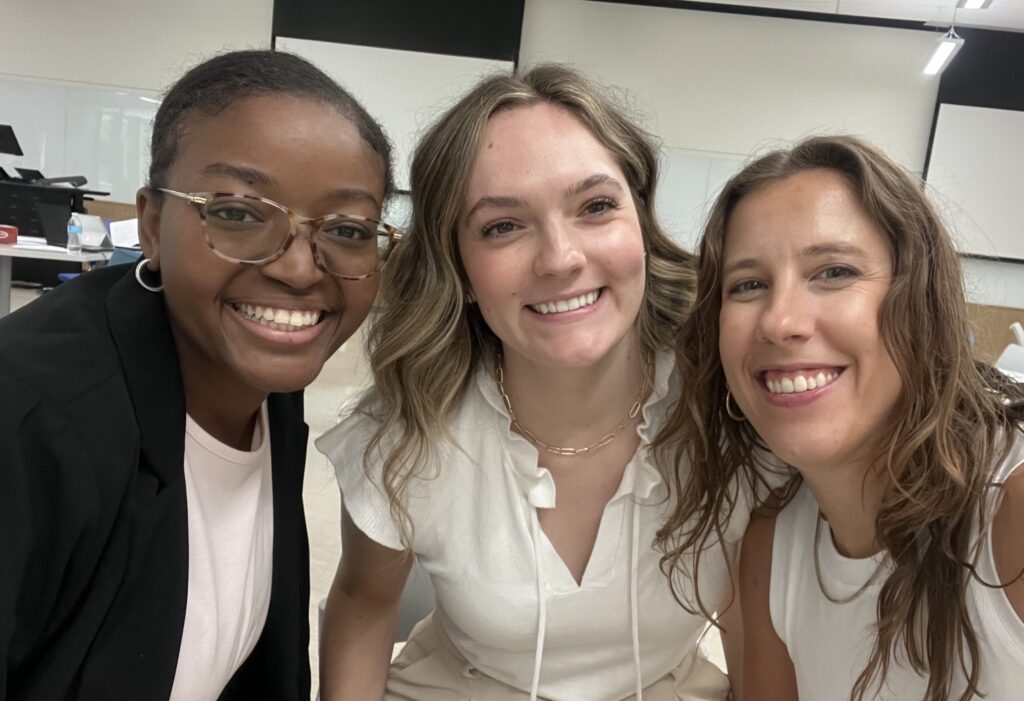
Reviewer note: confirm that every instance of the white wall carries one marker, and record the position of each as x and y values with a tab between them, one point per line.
143	44
404	90
994	282
734	84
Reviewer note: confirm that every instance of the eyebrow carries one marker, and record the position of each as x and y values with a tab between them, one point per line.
499	201
495	201
816	251
258	177
353	194
248	175
591	182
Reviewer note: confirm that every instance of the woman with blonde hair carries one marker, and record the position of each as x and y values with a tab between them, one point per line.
830	327
522	364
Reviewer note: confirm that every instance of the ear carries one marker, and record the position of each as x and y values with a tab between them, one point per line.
148	203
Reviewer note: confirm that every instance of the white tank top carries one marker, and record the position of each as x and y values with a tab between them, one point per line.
829	643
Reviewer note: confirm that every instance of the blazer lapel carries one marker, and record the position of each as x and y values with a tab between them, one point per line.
142	333
135	652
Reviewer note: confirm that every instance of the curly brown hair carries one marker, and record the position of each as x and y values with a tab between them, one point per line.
954	419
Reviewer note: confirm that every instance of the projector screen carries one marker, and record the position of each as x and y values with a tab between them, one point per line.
403	90
976	177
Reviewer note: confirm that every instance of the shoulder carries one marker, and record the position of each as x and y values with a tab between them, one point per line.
61	343
351	436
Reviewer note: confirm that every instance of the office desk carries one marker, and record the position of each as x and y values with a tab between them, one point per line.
33	247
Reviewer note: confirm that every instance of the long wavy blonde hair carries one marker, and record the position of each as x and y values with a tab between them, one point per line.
427	340
955	418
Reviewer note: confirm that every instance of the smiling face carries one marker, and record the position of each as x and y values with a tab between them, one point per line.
550	240
308	157
804	274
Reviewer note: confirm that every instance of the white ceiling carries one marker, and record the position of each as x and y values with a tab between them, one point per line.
1000	14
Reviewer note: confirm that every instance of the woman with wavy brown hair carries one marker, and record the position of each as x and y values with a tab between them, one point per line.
830	328
523	363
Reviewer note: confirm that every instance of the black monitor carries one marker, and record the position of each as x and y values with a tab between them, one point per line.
9	142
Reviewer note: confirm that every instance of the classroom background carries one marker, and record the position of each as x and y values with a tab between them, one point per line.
716	82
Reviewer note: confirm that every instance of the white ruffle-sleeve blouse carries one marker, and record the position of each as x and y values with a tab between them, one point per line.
504	596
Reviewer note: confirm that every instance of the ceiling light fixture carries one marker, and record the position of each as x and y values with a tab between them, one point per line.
945	49
975	4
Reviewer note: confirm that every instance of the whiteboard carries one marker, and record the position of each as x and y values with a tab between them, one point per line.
100	132
689	183
976	177
403	90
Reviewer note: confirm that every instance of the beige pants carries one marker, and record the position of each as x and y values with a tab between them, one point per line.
430	668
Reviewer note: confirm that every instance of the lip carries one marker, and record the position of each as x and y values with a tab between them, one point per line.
300	336
568	295
572	315
298	305
797	399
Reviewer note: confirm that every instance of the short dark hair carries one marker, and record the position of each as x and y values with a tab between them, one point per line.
215	84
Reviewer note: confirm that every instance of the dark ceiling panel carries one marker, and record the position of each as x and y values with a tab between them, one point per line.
481	29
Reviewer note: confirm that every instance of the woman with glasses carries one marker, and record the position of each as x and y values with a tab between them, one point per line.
152	539
523	364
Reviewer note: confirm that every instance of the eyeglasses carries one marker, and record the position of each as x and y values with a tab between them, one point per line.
255	231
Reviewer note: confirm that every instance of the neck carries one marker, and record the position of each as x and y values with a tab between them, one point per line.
850	498
574	407
225	410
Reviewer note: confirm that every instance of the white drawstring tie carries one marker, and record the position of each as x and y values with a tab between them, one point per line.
542	606
634	607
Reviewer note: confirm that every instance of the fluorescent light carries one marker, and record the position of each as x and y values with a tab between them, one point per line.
149	99
975	4
945	49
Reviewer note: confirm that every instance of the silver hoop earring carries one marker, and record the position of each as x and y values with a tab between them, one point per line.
138	277
728	409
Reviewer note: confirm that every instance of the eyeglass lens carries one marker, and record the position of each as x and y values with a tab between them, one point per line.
251	231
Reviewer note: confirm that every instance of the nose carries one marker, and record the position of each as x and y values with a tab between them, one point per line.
296	266
559	251
788	314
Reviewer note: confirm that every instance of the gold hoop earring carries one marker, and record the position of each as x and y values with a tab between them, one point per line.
728	409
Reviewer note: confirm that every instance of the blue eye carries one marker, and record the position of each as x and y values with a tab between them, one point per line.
837	272
500	228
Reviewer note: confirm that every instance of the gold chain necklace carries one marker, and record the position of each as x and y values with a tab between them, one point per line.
634	409
817	569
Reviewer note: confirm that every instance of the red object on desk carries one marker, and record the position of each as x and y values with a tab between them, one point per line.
8	234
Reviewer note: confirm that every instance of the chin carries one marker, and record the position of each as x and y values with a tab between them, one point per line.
285	381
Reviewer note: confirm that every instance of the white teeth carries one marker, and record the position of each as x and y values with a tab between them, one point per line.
800	383
279	319
566	305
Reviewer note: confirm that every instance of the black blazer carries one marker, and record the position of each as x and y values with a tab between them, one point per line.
93	521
